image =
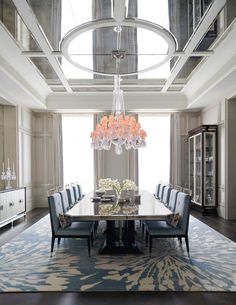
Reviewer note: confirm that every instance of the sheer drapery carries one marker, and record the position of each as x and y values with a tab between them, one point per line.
77	152
58	151
98	158
175	151
154	160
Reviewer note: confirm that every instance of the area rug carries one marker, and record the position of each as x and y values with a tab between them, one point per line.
26	264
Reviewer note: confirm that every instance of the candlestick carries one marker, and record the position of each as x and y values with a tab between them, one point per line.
8	175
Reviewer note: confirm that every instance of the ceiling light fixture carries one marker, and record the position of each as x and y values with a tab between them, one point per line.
118	129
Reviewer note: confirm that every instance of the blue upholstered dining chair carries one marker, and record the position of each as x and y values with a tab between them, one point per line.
71	196
65	201
163	196
157	190
172	200
161	191
161	229
74	230
76	192
166	195
79	186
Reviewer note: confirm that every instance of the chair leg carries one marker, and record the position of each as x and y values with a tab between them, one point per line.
150	245
95	228
52	243
147	236
180	240
88	241
143	227
58	240
187	244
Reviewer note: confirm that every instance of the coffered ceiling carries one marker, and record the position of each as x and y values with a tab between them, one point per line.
35	72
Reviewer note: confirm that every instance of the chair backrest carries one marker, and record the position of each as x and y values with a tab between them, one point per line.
166	195
65	201
157	190
160	193
71	196
183	208
172	199
55	208
76	192
81	194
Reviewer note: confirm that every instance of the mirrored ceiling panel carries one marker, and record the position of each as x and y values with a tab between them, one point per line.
16	27
57	18
95	49
58	89
211	35
175	88
185	73
44	67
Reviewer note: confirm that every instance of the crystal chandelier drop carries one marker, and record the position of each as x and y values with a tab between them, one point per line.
117	128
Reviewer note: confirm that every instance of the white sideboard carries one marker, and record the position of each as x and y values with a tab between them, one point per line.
12	205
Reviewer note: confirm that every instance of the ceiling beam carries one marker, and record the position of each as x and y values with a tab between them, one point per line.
195	39
100	101
31	22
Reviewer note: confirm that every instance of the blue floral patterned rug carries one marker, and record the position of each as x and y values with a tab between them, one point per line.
26	264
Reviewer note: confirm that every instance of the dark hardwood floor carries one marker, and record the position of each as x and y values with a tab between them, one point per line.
8	232
227	228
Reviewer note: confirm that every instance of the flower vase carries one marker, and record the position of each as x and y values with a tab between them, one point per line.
117	199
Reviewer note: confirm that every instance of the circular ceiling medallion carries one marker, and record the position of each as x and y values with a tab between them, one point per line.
157	31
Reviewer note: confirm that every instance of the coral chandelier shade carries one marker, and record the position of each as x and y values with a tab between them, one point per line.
118	129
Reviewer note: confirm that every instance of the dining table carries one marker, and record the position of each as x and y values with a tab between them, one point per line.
120	218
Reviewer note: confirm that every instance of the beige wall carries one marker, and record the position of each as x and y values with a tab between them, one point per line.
43	162
216	115
27	140
8	139
230	158
1	143
25	136
188	121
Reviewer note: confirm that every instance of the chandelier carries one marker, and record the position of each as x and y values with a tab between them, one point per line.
117	128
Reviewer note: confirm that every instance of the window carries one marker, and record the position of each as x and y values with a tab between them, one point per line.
78	162
154	160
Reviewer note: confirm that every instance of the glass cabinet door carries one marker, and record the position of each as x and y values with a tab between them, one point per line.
198	169
191	166
209	169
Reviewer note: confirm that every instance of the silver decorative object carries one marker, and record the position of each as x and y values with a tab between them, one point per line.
8	175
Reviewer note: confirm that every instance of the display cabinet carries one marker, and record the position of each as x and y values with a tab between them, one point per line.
203	167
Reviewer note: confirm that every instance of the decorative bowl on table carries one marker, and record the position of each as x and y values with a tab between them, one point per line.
100	193
109	196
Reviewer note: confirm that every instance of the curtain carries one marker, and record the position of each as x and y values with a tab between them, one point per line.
109	165
175	149
58	151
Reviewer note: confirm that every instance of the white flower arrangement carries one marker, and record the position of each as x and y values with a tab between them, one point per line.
114	184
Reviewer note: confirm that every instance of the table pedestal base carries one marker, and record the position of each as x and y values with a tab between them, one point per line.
119	249
120	240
